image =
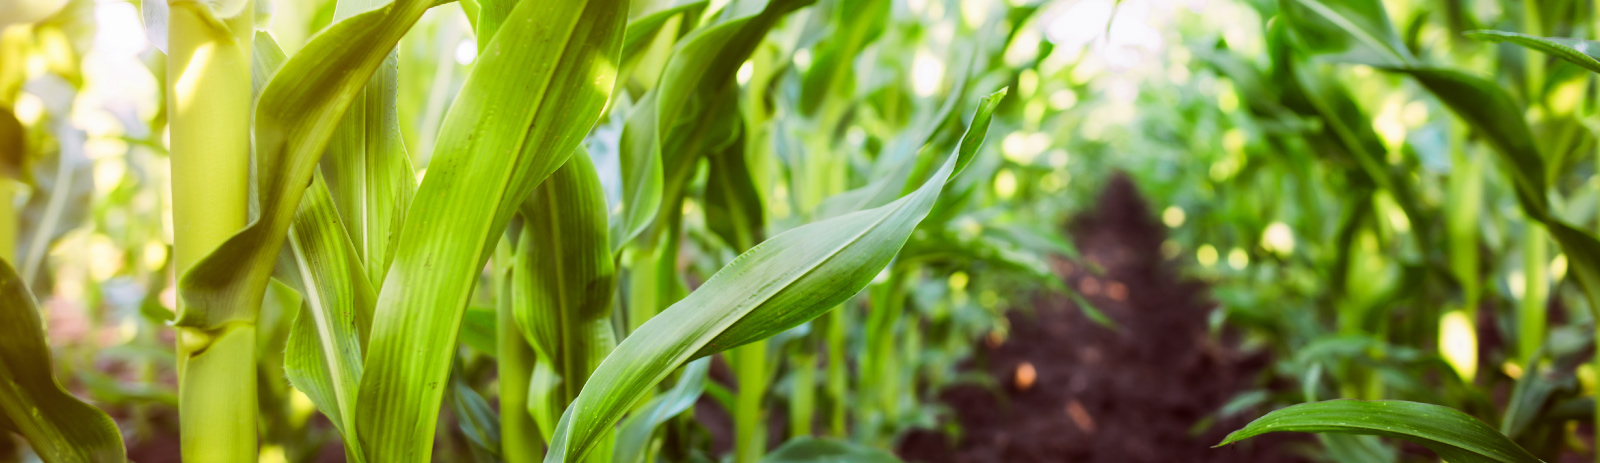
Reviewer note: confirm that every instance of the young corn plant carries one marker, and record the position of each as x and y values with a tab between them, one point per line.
385	267
1532	168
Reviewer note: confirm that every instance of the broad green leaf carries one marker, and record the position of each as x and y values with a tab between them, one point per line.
640	160
634	434
781	283
814	450
563	284
296	115
59	427
733	206
896	180
1579	52
669	134
641	30
1583	258
476	420
1487	108
520	114
521	440
831	76
1455	436
324	354
366	166
1357	29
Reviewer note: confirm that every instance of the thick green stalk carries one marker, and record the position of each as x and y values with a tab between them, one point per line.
880	367
750	366
803	398
208	97
838	376
1534	25
1536	291
520	439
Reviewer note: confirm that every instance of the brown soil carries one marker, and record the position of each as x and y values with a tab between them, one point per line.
1125	395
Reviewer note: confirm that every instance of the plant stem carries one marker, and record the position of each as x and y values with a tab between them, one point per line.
838	377
802	402
520	439
1536	291
750	364
209	98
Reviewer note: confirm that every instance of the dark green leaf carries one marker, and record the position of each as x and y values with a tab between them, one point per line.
1457	437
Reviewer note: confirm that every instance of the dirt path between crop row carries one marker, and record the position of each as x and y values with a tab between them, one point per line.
1101	395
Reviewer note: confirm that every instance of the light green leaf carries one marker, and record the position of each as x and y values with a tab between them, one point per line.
324	354
59	427
563	284
520	114
634	434
1579	52
641	30
1486	107
781	283
733	206
668	134
296	115
1457	437
814	450
1357	29
476	420
366	166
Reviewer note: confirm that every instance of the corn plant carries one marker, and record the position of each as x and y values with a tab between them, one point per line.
298	218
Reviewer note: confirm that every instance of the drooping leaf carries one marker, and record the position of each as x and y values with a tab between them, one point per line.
475	419
815	450
59	427
520	114
641	30
668	134
781	283
324	354
1487	108
297	114
1357	29
1580	52
634	434
366	166
1455	436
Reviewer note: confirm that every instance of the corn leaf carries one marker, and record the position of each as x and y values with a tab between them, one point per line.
366	167
296	116
520	114
475	418
831	76
563	284
1455	436
59	427
814	450
1357	29
781	283
733	206
1486	107
324	354
1575	51
634	434
666	135
641	30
